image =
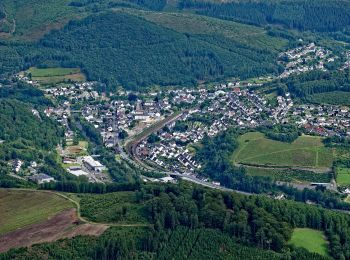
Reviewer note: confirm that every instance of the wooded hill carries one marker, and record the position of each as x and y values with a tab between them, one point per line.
312	15
188	221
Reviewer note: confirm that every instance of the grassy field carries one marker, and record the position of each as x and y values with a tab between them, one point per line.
306	151
312	240
343	176
333	98
22	208
56	75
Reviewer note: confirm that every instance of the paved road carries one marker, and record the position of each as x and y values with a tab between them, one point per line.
130	156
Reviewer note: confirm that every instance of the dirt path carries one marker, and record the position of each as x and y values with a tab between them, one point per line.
63	225
67	224
78	211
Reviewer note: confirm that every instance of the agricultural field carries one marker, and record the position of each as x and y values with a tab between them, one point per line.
333	98
343	176
307	151
30	208
310	239
56	75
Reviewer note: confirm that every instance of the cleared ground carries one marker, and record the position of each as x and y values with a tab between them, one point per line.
310	239
62	225
56	75
77	150
307	151
19	208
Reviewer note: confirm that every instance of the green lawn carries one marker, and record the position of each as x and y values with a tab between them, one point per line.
343	176
310	239
19	208
56	75
51	72
306	151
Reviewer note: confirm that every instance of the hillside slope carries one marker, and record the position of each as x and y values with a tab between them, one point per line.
119	48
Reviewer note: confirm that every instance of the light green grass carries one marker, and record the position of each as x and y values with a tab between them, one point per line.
56	75
52	72
307	151
343	176
310	239
22	208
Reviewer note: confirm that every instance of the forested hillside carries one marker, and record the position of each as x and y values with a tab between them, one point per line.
187	221
313	15
26	133
118	48
18	122
305	85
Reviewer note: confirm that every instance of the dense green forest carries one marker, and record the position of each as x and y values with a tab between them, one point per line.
138	243
281	132
28	134
313	15
118	48
319	82
188	221
19	124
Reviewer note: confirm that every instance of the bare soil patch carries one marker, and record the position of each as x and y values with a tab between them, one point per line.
63	225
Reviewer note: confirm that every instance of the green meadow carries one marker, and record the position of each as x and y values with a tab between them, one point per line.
307	151
310	239
343	176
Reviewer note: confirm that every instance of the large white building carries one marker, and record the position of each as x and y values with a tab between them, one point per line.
92	164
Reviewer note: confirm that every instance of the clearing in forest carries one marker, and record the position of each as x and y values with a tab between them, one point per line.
310	239
30	217
56	75
343	176
20	208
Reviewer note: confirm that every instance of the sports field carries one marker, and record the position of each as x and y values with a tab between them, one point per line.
310	239
20	208
307	151
343	176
